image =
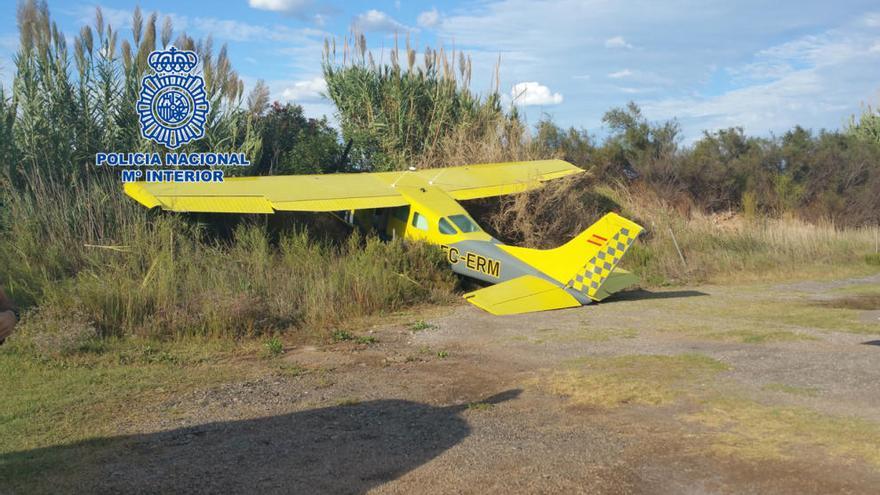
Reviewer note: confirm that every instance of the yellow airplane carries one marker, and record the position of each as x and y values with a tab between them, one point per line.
423	205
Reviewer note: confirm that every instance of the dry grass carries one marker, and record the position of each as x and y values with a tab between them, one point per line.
715	248
162	276
725	247
858	301
791	389
752	431
608	382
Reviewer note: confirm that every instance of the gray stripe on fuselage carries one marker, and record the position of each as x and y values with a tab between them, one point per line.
510	266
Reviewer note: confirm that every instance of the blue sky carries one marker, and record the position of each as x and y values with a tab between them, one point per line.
762	65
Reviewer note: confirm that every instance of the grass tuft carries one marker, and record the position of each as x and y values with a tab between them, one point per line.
752	431
274	347
419	325
608	382
791	389
341	336
480	406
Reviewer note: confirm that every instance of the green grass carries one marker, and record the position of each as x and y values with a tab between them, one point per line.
873	259
760	337
791	389
63	400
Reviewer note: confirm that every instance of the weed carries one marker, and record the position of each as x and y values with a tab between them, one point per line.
420	325
342	336
480	406
291	369
443	354
366	339
274	347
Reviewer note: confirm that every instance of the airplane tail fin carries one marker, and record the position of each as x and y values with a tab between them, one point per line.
587	263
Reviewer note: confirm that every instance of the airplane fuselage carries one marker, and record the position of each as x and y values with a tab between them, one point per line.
434	217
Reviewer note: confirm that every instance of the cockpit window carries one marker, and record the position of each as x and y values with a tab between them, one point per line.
464	223
446	227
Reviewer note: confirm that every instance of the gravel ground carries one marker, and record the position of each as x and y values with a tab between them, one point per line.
463	406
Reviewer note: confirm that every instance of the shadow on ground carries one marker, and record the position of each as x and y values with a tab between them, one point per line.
641	294
340	449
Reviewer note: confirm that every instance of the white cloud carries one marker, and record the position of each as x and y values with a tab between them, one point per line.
617	42
620	74
286	6
533	93
815	81
376	20
429	18
682	59
310	90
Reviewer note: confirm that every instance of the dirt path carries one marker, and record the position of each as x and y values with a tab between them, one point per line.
750	389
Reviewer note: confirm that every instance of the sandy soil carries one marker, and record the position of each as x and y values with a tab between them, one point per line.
470	405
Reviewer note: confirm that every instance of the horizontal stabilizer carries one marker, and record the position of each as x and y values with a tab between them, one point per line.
521	295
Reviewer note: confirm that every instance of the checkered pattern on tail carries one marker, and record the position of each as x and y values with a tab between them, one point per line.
589	279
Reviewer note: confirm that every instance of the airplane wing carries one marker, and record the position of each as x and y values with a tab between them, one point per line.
496	179
337	192
521	295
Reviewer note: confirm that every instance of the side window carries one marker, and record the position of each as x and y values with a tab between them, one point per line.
419	221
446	227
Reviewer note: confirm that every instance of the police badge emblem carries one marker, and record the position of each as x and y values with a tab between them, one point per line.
173	105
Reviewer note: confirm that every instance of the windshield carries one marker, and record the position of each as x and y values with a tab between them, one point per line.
446	227
464	223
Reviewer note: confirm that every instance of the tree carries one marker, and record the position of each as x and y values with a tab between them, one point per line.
293	144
